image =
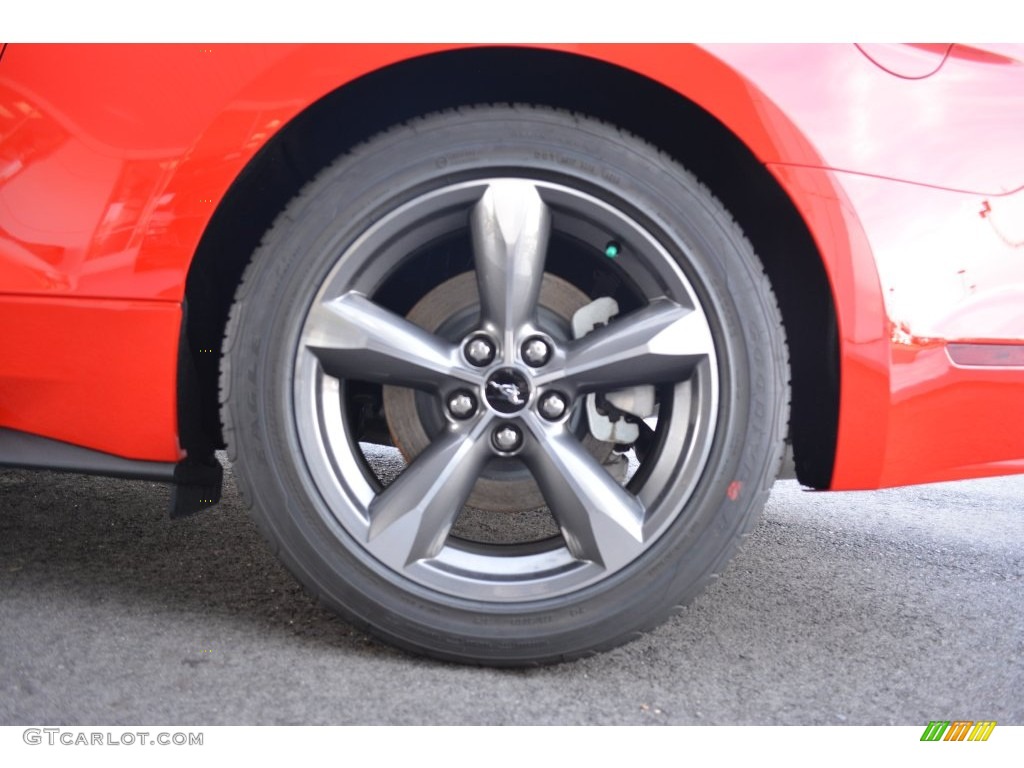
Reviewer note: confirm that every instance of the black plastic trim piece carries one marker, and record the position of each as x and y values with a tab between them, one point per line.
196	483
21	449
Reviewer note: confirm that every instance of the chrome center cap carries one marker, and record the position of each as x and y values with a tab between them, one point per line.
507	390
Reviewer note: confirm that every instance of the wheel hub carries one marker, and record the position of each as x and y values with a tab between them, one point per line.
450	310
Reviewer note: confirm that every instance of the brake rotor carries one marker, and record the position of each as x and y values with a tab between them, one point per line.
451	310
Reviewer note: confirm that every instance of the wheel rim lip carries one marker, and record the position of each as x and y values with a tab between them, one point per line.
464	570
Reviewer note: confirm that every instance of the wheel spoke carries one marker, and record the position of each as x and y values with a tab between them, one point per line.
662	342
411	518
510	226
600	520
355	338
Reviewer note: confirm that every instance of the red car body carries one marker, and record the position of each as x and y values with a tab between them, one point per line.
903	163
331	257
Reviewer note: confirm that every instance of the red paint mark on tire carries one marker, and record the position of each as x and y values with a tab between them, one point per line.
733	491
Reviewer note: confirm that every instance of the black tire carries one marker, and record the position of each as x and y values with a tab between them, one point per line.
318	326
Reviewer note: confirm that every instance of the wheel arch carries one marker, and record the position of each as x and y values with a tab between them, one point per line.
614	92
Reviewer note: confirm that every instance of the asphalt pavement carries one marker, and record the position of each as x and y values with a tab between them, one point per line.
890	607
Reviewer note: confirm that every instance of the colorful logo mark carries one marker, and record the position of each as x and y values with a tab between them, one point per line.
958	730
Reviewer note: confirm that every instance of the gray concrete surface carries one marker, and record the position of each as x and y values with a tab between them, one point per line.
892	607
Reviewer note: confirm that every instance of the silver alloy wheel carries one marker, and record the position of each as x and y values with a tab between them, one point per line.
406	527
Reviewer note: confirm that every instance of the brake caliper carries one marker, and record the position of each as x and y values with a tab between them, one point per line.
606	410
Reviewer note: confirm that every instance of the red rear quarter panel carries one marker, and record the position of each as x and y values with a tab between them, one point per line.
114	158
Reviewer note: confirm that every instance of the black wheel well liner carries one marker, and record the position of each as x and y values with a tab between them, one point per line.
363	107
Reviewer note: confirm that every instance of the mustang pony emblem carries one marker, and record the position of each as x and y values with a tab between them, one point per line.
510	392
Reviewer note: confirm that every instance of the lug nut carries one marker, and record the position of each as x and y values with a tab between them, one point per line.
536	352
507	438
479	351
462	405
553	406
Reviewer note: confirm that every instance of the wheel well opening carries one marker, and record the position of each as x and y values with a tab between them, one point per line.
366	106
